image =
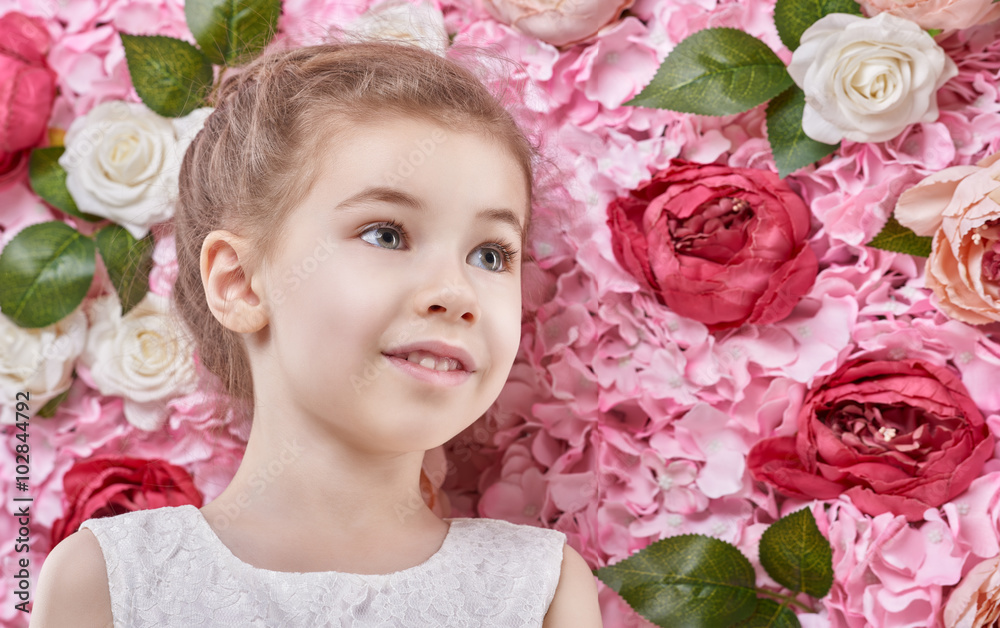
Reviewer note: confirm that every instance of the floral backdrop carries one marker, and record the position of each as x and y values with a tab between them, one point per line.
710	345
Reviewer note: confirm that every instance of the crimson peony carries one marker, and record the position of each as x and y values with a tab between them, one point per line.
895	436
723	246
27	89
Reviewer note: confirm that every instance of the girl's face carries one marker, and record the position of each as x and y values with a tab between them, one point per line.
400	243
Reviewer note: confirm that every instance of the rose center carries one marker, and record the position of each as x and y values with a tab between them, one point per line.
898	434
991	257
716	231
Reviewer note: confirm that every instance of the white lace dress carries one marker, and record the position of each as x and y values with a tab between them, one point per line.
166	567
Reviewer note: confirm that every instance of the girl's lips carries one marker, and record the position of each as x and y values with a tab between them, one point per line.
424	374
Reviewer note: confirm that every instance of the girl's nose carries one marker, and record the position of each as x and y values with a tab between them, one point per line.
447	291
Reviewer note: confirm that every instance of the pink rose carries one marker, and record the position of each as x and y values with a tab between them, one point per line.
723	246
940	14
27	85
561	23
960	207
894	436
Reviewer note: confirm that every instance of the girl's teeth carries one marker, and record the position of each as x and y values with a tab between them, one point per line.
428	362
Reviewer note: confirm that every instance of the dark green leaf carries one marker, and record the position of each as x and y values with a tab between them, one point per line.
895	237
45	272
793	17
170	75
128	262
232	32
690	580
48	180
796	554
791	147
770	614
49	409
716	72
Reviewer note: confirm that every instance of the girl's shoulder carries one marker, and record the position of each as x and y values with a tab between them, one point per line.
72	587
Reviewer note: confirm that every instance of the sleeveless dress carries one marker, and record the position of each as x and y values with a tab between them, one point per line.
167	567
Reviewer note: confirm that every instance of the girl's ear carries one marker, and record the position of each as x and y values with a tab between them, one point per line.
233	295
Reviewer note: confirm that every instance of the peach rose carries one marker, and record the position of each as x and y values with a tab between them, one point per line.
558	23
975	602
941	14
960	208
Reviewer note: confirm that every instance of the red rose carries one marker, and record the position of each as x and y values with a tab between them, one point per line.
723	246
897	437
106	486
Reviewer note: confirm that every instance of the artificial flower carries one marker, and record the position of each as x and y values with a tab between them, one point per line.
559	23
421	24
894	436
27	89
122	161
866	80
975	602
145	356
723	246
940	14
111	485
38	362
960	208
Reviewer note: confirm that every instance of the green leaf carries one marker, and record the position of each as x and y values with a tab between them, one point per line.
895	237
715	72
791	147
690	580
45	272
232	32
170	75
128	262
49	409
793	17
770	614
796	554
48	180
934	32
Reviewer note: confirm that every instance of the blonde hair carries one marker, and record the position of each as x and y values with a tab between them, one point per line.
256	157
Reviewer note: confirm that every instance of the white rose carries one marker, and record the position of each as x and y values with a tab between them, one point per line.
421	24
38	361
122	161
145	356
867	79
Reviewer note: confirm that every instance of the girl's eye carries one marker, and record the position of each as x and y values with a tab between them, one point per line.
386	234
493	257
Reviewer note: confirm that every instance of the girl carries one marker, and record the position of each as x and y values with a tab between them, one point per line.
349	230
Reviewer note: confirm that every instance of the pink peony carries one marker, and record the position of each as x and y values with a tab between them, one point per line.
894	436
723	246
960	207
561	23
939	14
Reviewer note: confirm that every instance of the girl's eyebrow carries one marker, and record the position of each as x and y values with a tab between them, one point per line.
385	194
